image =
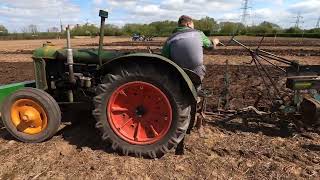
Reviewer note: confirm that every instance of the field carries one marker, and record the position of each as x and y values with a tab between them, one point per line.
227	151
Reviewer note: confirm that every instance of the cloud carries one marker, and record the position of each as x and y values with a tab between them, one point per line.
279	17
148	10
43	13
16	14
97	2
196	5
122	3
274	2
145	11
306	7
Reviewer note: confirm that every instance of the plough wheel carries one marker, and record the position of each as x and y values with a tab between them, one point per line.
141	112
31	115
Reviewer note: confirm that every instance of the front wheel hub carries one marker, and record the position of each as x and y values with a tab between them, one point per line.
28	116
139	113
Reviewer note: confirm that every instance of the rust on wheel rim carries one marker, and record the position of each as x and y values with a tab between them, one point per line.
139	113
28	116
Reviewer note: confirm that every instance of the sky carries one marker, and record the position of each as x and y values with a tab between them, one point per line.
18	14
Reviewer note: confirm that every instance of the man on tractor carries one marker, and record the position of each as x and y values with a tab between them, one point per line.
185	46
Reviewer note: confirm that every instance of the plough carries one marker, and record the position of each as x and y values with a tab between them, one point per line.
299	105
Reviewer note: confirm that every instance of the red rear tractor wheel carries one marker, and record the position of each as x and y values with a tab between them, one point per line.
31	115
142	113
135	110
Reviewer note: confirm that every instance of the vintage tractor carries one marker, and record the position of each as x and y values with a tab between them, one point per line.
143	103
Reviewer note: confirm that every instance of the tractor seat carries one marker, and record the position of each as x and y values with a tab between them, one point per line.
196	80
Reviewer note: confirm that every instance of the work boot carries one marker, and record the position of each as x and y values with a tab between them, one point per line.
204	93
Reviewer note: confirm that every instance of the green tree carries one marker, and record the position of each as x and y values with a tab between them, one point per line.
294	30
85	30
265	28
231	28
159	28
207	25
163	28
3	30
31	29
53	30
314	31
112	30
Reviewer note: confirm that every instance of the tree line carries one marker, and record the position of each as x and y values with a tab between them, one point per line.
208	25
164	28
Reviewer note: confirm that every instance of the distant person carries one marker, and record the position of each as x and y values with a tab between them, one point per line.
185	46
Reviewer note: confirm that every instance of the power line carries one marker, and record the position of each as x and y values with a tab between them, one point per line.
298	21
318	23
245	12
61	26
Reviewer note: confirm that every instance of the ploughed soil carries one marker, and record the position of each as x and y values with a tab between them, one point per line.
16	72
227	151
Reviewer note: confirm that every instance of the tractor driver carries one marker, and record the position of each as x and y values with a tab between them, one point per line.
185	46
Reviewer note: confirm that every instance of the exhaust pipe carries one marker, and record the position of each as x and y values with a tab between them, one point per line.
70	63
103	14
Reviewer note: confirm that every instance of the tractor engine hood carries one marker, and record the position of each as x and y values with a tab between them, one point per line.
86	56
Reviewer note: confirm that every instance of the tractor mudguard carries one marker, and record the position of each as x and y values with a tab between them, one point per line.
153	58
8	89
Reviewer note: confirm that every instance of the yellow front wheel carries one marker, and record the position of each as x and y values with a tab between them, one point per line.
28	116
31	115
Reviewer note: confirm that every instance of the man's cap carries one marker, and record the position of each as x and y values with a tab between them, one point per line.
184	19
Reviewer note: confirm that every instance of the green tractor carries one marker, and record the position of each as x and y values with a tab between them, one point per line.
143	103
